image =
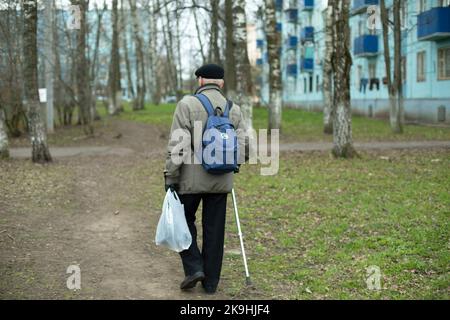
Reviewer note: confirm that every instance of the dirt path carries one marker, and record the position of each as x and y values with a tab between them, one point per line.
61	152
116	236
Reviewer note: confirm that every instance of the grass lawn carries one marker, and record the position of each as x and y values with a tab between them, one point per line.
300	125
313	230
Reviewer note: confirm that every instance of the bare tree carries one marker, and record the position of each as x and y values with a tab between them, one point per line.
275	86
327	82
341	63
179	69
40	151
199	33
394	85
139	102
153	43
230	62
168	44
115	91
57	85
95	58
49	62
4	146
82	72
124	22
243	70
214	51
11	82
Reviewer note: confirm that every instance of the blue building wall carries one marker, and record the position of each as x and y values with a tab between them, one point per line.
425	100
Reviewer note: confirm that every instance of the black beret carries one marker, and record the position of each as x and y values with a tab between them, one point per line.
210	71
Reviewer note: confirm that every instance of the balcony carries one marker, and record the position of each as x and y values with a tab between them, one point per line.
292	70
366	45
279	5
360	6
307	34
292	15
308	5
307	64
259	43
434	24
292	42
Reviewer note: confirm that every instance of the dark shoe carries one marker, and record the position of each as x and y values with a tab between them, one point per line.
209	289
191	281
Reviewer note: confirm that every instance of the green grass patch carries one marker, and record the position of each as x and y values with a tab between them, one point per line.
300	125
313	230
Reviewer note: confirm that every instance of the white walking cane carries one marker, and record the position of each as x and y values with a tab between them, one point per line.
247	275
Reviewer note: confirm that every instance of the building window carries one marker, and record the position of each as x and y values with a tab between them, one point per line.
444	63
372	70
360	28
304	85
404	69
317	83
422	5
421	66
310	83
404	14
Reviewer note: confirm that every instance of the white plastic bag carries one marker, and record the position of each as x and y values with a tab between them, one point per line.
172	231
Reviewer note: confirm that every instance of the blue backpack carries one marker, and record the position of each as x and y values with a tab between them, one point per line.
219	139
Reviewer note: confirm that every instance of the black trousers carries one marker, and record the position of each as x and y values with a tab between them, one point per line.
209	260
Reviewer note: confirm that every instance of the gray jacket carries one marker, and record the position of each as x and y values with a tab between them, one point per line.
192	178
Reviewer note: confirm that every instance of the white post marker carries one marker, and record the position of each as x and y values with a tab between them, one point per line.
244	257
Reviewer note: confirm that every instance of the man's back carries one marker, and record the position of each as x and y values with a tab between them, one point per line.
192	178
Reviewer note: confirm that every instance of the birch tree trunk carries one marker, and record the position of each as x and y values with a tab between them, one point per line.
273	47
155	92
38	135
4	146
243	71
394	85
49	63
230	65
342	62
139	102
123	25
327	82
115	91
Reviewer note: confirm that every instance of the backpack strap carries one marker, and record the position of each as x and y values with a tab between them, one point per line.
206	103
228	108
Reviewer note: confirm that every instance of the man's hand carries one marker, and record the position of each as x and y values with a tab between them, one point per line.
172	187
170	184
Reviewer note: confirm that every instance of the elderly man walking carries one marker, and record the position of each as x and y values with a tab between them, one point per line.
195	184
